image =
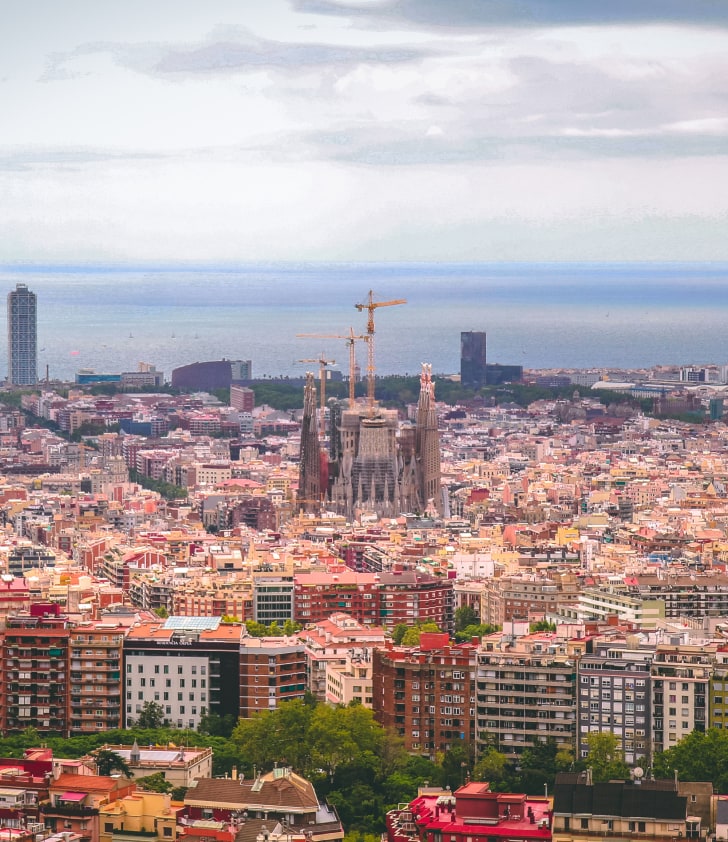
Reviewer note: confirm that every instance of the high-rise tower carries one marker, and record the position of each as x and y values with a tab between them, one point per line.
22	337
472	359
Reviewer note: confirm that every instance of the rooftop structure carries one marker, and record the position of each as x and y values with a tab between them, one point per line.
472	811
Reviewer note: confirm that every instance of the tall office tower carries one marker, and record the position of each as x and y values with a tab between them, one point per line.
22	337
309	476
472	359
427	443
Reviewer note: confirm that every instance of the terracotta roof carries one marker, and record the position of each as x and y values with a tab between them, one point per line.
85	783
278	789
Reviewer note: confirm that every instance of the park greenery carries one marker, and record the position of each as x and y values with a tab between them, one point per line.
362	768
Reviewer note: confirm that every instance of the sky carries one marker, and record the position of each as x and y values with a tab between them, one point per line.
363	130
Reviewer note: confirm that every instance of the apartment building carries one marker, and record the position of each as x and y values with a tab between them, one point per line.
189	666
272	670
525	692
35	661
329	643
96	651
681	674
382	599
426	694
614	695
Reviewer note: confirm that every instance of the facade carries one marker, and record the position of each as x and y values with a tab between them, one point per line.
187	665
473	373
75	801
96	651
273	597
681	676
22	337
139	817
242	398
374	599
35	670
524	596
426	694
525	692
614	695
333	644
351	682
272	670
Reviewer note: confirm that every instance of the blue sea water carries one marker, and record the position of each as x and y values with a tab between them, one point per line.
109	318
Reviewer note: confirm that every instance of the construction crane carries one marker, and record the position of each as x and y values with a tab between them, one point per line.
351	338
371	305
323	362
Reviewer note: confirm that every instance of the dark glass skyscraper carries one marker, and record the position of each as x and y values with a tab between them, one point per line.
22	337
472	359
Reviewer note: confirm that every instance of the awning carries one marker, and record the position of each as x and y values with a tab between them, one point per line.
72	796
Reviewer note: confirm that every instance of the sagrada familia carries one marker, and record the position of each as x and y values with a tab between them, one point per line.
374	463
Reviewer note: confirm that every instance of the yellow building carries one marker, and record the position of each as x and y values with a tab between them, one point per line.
139	818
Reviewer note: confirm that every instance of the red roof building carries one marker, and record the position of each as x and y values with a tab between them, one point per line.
474	813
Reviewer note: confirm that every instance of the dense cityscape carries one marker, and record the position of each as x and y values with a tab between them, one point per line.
515	603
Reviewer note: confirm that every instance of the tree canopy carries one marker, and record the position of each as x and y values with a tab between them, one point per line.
700	756
604	757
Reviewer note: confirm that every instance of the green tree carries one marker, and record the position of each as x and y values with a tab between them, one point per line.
491	766
161	612
109	761
700	756
465	616
154	783
604	757
216	725
412	635
151	716
542	626
398	633
178	793
479	631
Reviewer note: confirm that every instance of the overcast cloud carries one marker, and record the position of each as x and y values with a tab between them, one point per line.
364	130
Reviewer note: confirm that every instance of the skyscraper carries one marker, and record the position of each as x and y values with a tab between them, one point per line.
22	334
472	359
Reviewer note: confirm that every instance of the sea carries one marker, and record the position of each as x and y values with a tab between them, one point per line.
553	315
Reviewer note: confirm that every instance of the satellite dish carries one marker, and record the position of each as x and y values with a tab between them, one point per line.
638	772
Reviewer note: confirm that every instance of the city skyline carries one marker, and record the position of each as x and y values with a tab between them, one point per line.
342	130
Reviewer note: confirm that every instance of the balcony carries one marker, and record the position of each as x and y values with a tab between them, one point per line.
68	809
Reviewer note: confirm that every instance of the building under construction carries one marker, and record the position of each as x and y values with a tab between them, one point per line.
375	464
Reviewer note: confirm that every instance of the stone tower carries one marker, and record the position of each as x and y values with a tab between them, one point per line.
427	445
309	475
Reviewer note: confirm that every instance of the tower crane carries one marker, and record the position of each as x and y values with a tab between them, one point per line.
323	363
370	306
351	339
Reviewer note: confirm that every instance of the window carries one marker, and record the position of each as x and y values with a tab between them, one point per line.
585	824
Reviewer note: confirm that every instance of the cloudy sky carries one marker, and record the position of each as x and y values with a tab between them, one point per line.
363	130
